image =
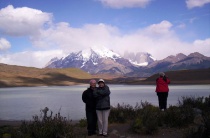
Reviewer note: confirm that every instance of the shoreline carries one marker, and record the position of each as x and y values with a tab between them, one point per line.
133	83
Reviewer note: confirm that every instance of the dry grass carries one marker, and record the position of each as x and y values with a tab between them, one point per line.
12	75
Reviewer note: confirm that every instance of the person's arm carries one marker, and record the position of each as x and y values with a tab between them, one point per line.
95	93
168	81
84	96
104	92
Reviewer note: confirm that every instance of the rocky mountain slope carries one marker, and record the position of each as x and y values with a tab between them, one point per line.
140	58
105	61
181	62
94	61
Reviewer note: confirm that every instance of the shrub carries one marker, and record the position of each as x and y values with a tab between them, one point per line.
8	131
146	120
121	113
178	117
82	123
51	127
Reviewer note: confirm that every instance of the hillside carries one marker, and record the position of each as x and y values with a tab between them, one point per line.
12	76
16	76
198	76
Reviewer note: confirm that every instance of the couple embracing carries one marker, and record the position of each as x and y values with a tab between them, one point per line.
97	102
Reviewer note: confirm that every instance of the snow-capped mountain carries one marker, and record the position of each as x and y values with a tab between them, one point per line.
94	60
140	58
104	61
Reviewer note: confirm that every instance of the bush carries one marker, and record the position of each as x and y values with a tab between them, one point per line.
121	113
178	117
146	120
8	131
82	123
47	127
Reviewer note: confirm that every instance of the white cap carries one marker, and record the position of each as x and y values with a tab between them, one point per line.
101	80
162	74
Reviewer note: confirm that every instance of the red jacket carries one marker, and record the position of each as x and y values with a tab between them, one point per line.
161	85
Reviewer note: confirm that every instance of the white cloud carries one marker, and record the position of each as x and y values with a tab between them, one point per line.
74	39
202	46
4	44
193	19
22	21
159	39
160	29
181	26
196	3
125	3
31	58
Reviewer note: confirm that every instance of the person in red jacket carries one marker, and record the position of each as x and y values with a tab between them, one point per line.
162	90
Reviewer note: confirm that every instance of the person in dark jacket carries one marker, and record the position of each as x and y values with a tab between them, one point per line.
102	106
90	108
162	90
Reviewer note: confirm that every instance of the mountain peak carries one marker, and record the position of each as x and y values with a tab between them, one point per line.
140	58
196	54
101	52
105	52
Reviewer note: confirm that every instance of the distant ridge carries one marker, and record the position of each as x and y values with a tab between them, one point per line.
14	76
101	60
196	76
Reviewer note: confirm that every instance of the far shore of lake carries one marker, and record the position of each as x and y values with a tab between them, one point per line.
110	82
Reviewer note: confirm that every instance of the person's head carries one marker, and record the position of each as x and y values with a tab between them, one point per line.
101	83
162	74
92	83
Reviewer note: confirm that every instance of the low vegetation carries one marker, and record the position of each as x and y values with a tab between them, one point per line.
191	113
14	76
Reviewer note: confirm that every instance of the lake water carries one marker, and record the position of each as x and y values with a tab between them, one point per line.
24	102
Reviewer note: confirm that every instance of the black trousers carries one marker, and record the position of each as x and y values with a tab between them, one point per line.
162	98
91	122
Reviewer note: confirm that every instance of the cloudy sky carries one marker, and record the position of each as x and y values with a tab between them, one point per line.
32	32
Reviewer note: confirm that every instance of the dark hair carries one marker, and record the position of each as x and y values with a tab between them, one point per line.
165	78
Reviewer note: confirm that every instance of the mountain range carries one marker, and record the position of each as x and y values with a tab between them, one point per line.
104	61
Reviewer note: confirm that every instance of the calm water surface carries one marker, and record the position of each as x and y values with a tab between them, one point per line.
24	102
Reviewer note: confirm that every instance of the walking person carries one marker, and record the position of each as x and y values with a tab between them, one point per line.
102	107
90	108
162	90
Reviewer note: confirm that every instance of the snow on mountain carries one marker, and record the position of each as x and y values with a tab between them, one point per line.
105	52
93	60
97	60
139	59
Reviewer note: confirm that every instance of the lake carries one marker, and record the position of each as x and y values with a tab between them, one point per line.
23	102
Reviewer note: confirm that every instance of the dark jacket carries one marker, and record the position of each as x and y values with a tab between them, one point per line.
102	98
162	84
89	100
